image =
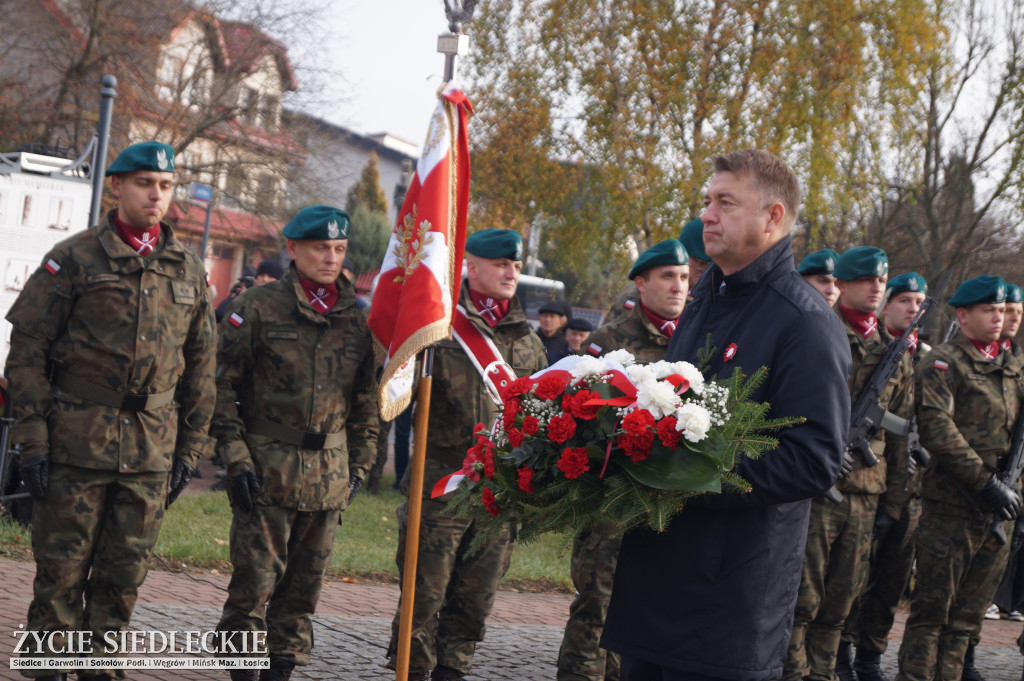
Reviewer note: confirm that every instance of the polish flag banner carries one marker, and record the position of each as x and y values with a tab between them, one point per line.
419	278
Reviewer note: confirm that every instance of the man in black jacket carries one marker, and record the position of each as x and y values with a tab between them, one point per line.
741	554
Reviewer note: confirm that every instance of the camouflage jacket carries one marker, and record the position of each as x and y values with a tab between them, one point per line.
633	332
966	409
458	400
115	322
898	398
628	299
290	365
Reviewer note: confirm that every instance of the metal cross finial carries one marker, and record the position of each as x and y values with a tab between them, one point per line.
459	12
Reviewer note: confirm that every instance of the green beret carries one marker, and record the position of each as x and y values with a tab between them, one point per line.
144	156
910	281
983	289
1014	294
819	262
495	243
667	252
863	261
318	223
692	238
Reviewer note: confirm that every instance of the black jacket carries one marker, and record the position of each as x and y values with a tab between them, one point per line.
714	594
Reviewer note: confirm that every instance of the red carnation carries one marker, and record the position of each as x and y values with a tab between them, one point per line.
520	386
479	430
526	479
530	425
567	401
637	422
580	408
473	464
490	503
488	459
552	385
635	448
573	462
667	432
515	437
561	428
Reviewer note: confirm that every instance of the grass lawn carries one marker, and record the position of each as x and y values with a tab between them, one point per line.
195	532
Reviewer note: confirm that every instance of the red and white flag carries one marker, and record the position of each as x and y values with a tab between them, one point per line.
419	278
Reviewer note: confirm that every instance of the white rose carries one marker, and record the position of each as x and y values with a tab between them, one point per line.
693	421
657	397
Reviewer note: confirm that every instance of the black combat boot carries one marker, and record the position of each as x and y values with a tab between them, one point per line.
245	675
280	670
442	673
868	666
844	665
970	673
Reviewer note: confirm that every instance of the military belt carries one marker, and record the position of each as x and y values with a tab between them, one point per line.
294	436
111	398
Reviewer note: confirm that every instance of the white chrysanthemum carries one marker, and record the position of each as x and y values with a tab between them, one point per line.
639	373
657	397
589	366
622	356
693	421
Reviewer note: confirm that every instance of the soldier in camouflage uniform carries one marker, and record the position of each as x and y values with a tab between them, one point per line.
839	536
455	589
692	239
968	398
111	373
899	510
817	269
296	357
662	278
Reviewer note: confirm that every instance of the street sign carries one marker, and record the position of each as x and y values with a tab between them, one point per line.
200	193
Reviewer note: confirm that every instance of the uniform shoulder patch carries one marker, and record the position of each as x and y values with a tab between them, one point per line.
629	304
235	319
594	349
52	266
941	366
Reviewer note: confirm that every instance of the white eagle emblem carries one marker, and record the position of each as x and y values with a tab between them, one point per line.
882	268
1001	292
332	229
912	285
161	159
830	264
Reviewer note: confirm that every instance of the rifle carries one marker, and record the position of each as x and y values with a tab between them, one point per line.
914	448
868	416
951	330
1011	473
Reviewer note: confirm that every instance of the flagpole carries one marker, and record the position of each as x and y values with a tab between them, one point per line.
450	45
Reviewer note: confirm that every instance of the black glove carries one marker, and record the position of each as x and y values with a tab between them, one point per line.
35	473
181	475
241	487
1003	499
847	466
354	485
911	466
883	523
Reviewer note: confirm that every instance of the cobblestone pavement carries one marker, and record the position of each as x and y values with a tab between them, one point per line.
353	623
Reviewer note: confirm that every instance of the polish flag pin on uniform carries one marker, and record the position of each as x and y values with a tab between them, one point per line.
235	319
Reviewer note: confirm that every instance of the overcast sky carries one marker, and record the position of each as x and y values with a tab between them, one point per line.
387	50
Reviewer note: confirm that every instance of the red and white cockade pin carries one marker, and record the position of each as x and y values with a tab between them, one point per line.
52	266
235	319
729	353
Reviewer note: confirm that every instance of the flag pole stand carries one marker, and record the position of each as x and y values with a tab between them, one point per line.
450	45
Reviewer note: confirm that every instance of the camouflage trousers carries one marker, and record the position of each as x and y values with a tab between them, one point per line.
959	565
892	561
279	557
454	589
581	658
92	535
834	573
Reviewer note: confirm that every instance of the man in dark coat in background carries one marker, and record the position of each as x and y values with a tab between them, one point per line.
732	553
